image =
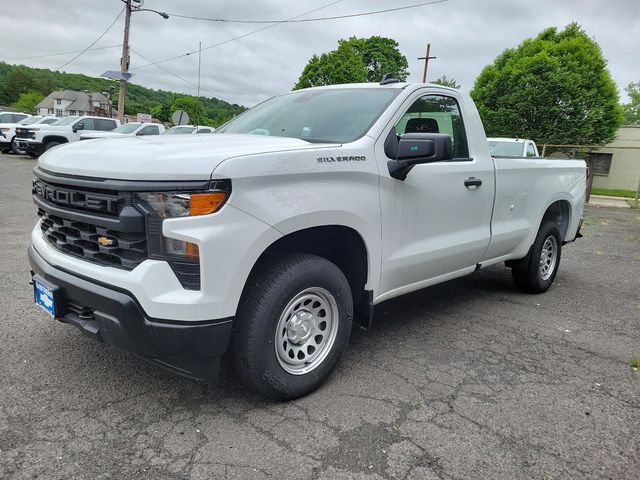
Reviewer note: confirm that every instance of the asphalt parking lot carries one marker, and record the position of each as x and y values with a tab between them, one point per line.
466	380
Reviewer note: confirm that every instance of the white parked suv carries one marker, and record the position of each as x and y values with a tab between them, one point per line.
267	239
512	147
12	117
8	131
131	129
38	139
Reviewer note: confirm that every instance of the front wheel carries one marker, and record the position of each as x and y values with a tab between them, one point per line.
539	270
14	148
50	145
292	326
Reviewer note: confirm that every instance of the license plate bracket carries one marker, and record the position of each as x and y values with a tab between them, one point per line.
45	295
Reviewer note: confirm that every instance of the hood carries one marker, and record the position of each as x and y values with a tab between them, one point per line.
161	157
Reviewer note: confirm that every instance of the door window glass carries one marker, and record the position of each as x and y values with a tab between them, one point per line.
105	125
149	130
88	123
436	114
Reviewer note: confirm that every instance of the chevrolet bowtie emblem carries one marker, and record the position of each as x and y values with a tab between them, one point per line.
105	242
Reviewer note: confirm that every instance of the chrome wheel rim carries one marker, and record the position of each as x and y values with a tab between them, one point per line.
548	257
306	331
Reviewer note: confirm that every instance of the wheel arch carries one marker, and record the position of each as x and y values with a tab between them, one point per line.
54	138
342	245
559	211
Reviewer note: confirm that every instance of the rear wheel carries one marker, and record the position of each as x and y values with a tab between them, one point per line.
292	326
537	272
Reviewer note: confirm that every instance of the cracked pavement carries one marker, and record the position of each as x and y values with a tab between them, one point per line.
465	380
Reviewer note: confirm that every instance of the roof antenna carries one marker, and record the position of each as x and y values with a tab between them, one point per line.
388	78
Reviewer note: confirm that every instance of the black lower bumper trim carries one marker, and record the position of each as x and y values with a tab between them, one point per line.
115	317
36	148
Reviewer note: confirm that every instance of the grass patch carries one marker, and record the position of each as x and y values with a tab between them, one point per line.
635	363
613	192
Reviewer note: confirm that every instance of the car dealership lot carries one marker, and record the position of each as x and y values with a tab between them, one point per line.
468	379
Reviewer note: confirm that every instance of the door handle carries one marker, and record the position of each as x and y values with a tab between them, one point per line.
472	182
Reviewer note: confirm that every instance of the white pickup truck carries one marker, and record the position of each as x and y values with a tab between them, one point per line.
512	147
268	238
38	139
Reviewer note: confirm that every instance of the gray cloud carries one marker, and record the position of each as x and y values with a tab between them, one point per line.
465	36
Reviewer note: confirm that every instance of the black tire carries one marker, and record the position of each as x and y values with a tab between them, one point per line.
528	275
51	144
14	148
269	291
32	155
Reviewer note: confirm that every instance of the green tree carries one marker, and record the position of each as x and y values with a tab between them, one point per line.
194	107
447	82
27	102
554	88
17	81
380	56
632	109
342	65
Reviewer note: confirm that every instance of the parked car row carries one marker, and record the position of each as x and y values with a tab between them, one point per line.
33	134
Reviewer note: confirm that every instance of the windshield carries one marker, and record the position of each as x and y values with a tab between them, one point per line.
174	130
65	121
506	149
336	115
127	128
28	120
48	121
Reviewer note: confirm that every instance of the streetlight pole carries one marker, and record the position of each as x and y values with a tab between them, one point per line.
124	60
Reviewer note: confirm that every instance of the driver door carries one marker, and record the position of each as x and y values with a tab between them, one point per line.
433	226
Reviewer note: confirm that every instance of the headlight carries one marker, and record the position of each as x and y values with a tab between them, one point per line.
159	206
175	205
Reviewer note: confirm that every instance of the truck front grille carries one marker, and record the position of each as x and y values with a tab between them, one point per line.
93	242
25	133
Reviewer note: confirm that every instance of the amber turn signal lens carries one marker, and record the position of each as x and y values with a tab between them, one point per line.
192	250
205	203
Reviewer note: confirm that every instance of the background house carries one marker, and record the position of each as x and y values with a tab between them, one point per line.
70	102
616	166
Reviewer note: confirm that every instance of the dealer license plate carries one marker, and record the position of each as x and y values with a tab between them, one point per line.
43	296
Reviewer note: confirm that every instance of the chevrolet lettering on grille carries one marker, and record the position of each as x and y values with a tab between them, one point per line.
75	199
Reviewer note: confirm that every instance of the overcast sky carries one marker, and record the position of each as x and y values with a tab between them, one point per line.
465	36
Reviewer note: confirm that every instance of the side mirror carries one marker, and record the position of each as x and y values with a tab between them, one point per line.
78	126
416	148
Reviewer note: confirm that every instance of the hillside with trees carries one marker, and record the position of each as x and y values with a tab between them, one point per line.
20	85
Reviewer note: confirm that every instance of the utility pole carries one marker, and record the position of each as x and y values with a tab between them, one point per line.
124	61
199	59
426	59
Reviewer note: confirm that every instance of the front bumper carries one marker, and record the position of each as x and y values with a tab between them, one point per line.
115	317
33	148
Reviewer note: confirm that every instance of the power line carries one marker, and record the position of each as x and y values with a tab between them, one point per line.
215	95
336	17
67	53
240	36
94	42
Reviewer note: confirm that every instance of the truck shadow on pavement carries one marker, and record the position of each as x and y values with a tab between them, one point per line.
415	315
